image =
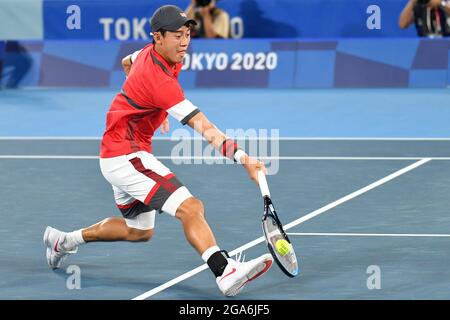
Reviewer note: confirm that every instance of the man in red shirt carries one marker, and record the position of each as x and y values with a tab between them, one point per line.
142	185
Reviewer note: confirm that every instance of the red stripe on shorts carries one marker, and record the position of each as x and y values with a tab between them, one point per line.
169	176
160	180
127	206
150	195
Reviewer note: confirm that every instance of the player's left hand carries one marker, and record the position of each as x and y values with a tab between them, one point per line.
126	70
165	126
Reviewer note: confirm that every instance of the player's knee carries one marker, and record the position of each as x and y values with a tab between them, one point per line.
191	208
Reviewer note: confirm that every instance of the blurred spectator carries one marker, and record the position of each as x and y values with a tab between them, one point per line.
15	63
212	22
2	57
429	16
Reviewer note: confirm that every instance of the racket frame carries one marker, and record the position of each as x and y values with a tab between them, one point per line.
270	213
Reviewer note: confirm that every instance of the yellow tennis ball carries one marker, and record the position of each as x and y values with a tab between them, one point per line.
282	246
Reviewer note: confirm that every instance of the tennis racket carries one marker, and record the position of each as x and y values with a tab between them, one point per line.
273	232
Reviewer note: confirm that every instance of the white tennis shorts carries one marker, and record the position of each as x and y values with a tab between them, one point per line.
143	185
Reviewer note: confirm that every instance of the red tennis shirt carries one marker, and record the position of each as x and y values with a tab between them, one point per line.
149	93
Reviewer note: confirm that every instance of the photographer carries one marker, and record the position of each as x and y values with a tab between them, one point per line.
212	22
429	17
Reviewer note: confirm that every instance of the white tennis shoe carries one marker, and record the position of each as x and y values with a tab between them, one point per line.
56	254
237	274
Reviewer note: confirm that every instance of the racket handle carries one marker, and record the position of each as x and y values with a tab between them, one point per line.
263	184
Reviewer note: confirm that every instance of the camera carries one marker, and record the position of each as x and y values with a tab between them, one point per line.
203	3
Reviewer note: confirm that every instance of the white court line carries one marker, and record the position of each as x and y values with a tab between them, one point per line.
32	138
368	234
294	223
75	157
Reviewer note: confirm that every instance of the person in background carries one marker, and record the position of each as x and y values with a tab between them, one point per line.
212	22
429	16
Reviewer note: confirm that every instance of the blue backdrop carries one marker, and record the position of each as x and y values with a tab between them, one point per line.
264	63
129	20
260	18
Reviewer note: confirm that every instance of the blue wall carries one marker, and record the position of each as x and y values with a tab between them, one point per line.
265	63
129	20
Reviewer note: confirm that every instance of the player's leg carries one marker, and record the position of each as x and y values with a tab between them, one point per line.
231	275
115	229
61	244
172	197
158	188
136	225
196	229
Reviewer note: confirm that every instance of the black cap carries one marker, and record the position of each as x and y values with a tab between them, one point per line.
170	18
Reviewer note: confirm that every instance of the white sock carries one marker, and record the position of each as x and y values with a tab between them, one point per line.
73	239
209	252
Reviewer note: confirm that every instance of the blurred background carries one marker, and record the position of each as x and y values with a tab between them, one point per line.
269	44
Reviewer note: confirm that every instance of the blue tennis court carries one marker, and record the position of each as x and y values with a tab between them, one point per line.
358	191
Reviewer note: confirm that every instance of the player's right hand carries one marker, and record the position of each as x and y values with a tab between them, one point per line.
253	165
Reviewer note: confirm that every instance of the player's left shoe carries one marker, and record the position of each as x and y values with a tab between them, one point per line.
56	254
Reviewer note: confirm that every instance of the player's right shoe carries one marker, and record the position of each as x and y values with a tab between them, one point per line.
56	254
237	274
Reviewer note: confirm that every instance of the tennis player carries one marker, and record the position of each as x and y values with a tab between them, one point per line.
142	185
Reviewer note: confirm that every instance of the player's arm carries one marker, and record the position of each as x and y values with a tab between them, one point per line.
228	147
128	61
171	99
126	64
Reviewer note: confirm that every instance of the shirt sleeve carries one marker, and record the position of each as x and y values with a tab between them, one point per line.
170	98
134	55
183	111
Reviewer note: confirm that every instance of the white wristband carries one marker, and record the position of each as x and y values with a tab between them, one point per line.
238	155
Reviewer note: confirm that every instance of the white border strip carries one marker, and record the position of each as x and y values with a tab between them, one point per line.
77	157
294	223
369	234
